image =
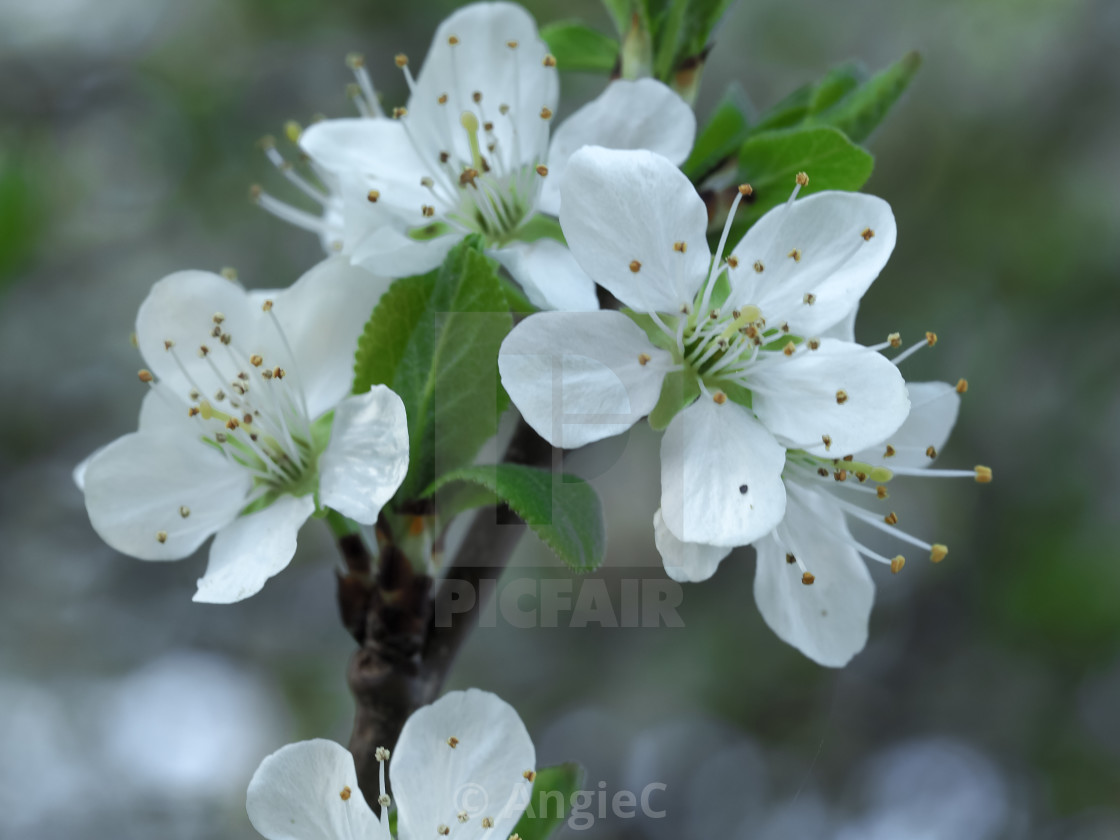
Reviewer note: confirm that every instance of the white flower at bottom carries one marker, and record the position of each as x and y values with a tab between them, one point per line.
236	437
811	583
463	767
471	153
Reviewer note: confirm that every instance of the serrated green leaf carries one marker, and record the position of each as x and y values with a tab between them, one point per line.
678	391
563	510
860	111
769	162
721	136
550	801
434	340
580	48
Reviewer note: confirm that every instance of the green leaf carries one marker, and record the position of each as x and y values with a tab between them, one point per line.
656	335
769	162
667	36
578	47
563	510
839	82
434	340
702	18
861	110
678	391
550	801
721	136
787	113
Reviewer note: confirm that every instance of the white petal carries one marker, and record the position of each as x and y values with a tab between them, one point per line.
550	275
482	775
481	61
845	328
322	315
162	410
180	309
373	154
642	114
577	377
297	794
629	209
139	486
836	263
721	475
251	549
686	562
933	411
390	253
827	620
797	397
367	457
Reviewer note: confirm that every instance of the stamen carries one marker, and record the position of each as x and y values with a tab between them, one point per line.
962	386
938	552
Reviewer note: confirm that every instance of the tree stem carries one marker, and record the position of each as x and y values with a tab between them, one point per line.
406	648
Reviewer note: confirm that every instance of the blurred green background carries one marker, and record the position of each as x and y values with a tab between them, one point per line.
986	704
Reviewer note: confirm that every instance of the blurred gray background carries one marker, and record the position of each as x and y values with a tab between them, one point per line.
985	705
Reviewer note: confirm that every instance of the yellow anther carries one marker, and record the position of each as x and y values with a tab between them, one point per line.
808	578
511	44
193	411
549	60
546	113
529	775
462	816
145	375
680	247
476	97
790	559
542	170
442	99
256	360
468	176
890	451
443	830
881	491
399	112
795	255
293	131
841	397
355	60
427	211
643	359
938	552
827	442
161	537
344	794
891	518
758	266
983	475
401	60
184	511
895	339
802	179
962	386
809	299
931	338
381	754
487	822
897	563
719	398
867	234
733	261
453	40
840	475
453	742
789	348
635	266
746	190
814	344
266	306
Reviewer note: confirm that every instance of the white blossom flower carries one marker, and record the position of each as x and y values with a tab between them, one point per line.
463	767
470	153
811	585
757	354
236	437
